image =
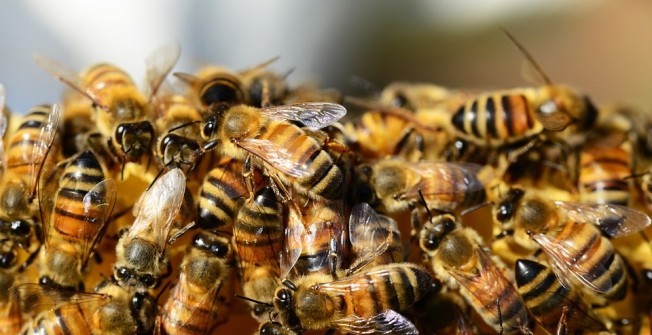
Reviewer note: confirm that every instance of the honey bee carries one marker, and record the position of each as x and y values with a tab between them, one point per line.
574	237
178	119
140	252
274	328
510	116
399	185
110	310
122	112
213	85
457	255
286	153
314	238
416	96
370	232
364	302
76	202
258	240
192	307
11	317
546	298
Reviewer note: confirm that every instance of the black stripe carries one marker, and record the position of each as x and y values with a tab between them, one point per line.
217	202
224	187
578	254
392	294
72	194
61	320
507	114
313	262
491	118
407	284
272	225
526	107
474	119
542	287
371	289
458	119
31	124
605	261
83	177
79	217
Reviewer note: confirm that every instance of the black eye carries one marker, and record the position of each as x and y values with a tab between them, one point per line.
119	133
505	211
219	249
260	309
7	259
270	328
199	242
20	228
123	274
399	100
209	128
647	275
283	295
147	280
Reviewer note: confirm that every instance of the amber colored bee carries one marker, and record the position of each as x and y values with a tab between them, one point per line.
573	236
418	96
111	310
446	187
11	316
457	256
288	154
265	87
258	238
212	85
220	192
140	252
76	202
364	302
122	112
546	297
370	232
504	117
192	307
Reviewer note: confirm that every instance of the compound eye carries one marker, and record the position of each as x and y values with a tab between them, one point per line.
505	211
209	128
219	249
123	274
147	280
119	133
283	295
399	100
20	228
7	259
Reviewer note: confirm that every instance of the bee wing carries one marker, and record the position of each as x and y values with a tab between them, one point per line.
387	322
65	75
368	230
98	206
159	65
42	146
276	155
3	128
35	298
186	307
48	186
613	220
463	173
158	207
561	253
292	248
314	115
488	285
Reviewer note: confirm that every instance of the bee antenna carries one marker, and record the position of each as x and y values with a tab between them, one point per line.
183	126
289	284
425	204
636	175
288	73
527	55
156	178
476	207
254	300
165	287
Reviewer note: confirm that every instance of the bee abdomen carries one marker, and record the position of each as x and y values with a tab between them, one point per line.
218	198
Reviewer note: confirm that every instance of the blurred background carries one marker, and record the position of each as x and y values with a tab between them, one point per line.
598	46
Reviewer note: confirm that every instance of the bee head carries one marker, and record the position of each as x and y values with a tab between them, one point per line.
434	231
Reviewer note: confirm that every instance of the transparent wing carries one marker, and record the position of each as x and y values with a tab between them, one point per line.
314	115
186	307
436	178
488	285
613	220
98	206
276	155
158	207
258	67
562	254
42	146
387	322
292	247
65	75
37	298
48	186
368	230
159	64
3	128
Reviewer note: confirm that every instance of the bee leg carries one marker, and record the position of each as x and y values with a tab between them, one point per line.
248	175
29	260
500	317
333	257
562	326
265	96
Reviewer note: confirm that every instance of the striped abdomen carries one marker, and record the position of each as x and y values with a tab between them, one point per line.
69	218
69	319
602	175
324	224
220	87
545	297
20	158
380	135
102	76
498	118
593	257
325	179
452	189
219	194
395	286
258	235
